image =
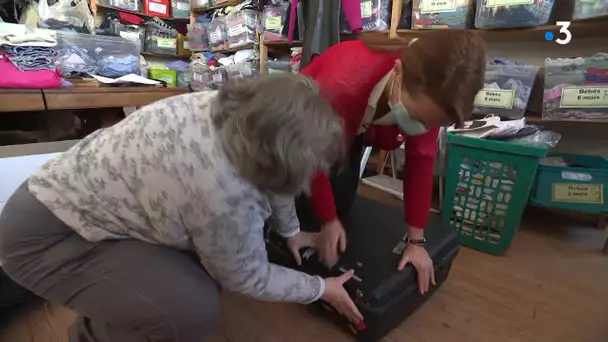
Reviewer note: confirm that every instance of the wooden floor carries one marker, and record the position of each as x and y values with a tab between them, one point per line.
551	286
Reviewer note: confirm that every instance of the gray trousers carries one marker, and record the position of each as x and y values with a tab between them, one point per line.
123	290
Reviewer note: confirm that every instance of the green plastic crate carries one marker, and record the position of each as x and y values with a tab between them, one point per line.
488	185
580	187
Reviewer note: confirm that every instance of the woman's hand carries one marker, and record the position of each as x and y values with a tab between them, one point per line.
331	240
299	241
419	257
336	295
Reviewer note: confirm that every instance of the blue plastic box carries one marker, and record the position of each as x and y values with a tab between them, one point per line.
580	186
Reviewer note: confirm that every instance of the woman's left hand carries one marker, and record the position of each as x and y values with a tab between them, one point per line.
299	241
419	257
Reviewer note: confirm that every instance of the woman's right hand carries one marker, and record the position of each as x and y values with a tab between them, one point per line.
336	295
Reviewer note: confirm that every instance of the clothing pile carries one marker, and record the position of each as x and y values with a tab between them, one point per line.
27	60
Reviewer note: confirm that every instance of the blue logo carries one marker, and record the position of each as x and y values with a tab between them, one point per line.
548	36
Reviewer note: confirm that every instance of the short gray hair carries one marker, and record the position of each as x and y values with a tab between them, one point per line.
277	130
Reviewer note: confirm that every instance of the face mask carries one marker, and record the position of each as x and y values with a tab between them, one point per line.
402	117
405	121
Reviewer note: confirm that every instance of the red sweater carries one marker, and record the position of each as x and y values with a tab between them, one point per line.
347	73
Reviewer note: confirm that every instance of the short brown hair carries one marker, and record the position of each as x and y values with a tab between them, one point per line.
446	65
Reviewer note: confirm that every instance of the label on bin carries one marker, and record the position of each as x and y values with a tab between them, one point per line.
157	8
273	23
366	9
133	36
584	97
496	3
437	6
578	193
236	30
495	98
182	6
166	43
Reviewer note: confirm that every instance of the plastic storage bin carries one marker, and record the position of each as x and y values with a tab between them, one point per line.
160	42
488	185
576	89
274	18
129	32
512	13
240	27
572	182
442	14
218	37
167	76
506	91
80	53
197	37
375	15
180	8
584	9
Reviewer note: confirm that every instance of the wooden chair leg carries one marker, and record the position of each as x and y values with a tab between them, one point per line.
383	155
605	250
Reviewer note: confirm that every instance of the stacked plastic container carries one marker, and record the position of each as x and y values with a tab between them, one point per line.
520	13
240	27
507	89
217	34
429	14
576	88
180	8
584	9
274	18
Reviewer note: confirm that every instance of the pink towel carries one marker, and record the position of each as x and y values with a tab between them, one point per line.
351	9
15	78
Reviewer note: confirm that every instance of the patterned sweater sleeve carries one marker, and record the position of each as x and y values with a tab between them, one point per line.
284	215
230	243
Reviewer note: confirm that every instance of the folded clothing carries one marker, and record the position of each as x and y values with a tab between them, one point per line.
12	77
30	58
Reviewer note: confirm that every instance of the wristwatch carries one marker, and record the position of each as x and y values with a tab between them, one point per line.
417	242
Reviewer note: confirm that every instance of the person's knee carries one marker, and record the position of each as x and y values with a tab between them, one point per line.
198	315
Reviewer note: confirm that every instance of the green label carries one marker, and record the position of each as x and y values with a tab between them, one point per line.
497	3
584	97
437	6
166	43
273	23
186	45
495	98
578	193
366	9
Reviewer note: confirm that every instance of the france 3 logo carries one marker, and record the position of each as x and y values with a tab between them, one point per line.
564	35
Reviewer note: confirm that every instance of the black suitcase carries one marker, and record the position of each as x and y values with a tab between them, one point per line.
384	295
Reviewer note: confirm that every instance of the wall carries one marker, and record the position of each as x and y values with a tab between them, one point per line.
577	137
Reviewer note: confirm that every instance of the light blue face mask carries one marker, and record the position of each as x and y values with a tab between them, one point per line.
405	121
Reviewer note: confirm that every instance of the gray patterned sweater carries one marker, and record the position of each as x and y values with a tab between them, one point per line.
160	176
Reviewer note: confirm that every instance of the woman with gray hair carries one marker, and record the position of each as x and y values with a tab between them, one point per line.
106	228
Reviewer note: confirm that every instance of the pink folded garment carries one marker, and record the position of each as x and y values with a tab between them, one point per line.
15	78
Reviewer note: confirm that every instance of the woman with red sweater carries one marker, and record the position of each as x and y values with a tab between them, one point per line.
391	92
